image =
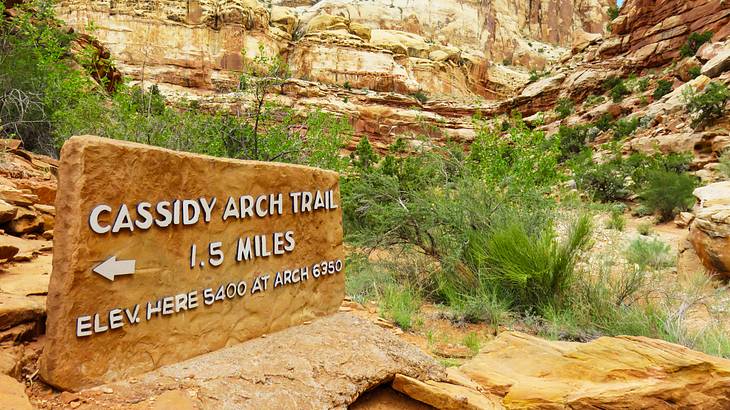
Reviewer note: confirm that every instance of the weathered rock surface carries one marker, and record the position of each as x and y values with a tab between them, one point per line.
12	394
607	373
710	230
326	364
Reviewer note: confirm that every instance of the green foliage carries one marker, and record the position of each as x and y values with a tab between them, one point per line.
420	96
471	341
572	140
708	105
645	228
534	268
604	122
649	253
668	193
36	78
694	42
625	127
518	159
663	88
694	72
619	91
400	304
364	156
613	12
617	220
593	100
347	86
618	177
564	107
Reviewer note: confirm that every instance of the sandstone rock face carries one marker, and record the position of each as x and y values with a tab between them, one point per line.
710	230
221	278
607	373
199	44
652	32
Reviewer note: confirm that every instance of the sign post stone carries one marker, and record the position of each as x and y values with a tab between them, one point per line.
160	256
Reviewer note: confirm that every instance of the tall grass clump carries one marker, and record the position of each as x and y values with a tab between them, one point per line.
649	253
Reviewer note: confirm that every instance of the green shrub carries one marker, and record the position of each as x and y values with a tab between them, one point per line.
564	107
604	122
694	72
663	88
613	12
617	220
645	228
694	42
347	86
534	269
420	96
649	253
471	340
668	193
625	127
616	87
593	100
364	157
572	140
708	105
400	304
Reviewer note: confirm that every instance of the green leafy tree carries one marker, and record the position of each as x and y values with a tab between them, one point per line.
261	78
708	105
694	42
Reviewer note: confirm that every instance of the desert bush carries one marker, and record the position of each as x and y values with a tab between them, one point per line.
625	127
708	105
617	220
593	100
471	341
420	96
663	88
694	72
534	269
668	193
645	228
604	122
649	253
572	140
564	107
518	159
613	12
616	88
694	42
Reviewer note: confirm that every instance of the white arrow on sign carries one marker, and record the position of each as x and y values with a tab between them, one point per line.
112	267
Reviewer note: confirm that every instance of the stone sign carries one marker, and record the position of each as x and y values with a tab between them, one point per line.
160	256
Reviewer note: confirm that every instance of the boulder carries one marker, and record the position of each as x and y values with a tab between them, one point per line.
684	66
444	395
283	18
8	251
360	30
17	196
709	232
325	22
718	64
7	211
17	309
606	373
12	394
542	85
25	221
307	366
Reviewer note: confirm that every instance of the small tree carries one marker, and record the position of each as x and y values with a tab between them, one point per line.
708	105
260	79
694	42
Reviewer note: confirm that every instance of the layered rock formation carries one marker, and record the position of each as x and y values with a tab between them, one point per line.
710	229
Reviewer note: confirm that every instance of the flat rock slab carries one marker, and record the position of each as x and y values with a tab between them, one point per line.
606	373
327	364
